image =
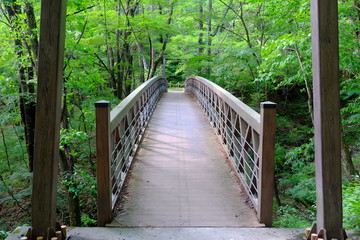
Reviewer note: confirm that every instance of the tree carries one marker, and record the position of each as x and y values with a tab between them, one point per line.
20	18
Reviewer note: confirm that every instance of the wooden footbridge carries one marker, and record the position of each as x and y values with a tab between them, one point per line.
182	176
247	138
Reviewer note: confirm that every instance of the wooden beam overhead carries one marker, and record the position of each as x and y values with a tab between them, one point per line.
48	111
326	92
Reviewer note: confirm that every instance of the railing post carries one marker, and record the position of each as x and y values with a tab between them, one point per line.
103	162
266	165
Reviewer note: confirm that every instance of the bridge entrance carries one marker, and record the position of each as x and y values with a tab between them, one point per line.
181	176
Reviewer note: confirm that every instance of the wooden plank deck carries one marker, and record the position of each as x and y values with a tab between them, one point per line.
181	176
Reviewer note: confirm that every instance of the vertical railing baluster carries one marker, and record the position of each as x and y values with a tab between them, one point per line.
103	161
266	164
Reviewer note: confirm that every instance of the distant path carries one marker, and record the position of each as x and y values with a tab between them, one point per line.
181	177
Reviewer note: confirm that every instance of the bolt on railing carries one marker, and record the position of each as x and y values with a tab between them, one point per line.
248	138
118	134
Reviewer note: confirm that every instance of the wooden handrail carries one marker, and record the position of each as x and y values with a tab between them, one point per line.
118	134
250	115
248	138
121	110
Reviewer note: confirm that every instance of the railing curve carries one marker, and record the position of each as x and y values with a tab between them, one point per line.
118	134
247	136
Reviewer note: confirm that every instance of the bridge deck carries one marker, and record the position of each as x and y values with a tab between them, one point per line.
181	176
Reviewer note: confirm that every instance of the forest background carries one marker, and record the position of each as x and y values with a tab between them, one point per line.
256	49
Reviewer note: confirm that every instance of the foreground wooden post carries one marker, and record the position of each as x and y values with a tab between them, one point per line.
103	162
48	111
327	117
266	165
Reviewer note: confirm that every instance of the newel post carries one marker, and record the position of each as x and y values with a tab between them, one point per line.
103	163
266	164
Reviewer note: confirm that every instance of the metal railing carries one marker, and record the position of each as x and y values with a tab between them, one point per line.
118	134
247	136
176	85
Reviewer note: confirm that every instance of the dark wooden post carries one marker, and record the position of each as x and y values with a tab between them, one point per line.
266	165
48	110
327	116
103	161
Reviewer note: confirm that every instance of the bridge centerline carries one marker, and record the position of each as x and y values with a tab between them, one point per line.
181	177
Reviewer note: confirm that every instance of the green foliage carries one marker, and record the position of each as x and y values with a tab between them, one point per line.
72	138
258	51
301	185
290	217
351	205
86	220
299	177
81	182
296	181
3	235
298	157
351	110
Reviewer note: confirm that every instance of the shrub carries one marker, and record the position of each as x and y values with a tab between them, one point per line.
351	205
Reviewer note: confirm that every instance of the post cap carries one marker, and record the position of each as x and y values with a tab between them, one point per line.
102	103
268	105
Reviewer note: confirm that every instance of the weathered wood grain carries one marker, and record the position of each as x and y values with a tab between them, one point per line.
103	163
327	116
48	110
266	166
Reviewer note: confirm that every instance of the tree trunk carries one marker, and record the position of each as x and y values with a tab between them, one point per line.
127	69
141	69
209	37
34	42
163	67
163	39
26	73
347	164
67	165
118	76
276	193
6	148
307	86
357	19
201	29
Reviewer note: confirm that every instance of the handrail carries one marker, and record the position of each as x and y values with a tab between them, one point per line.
247	136
176	85
118	134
